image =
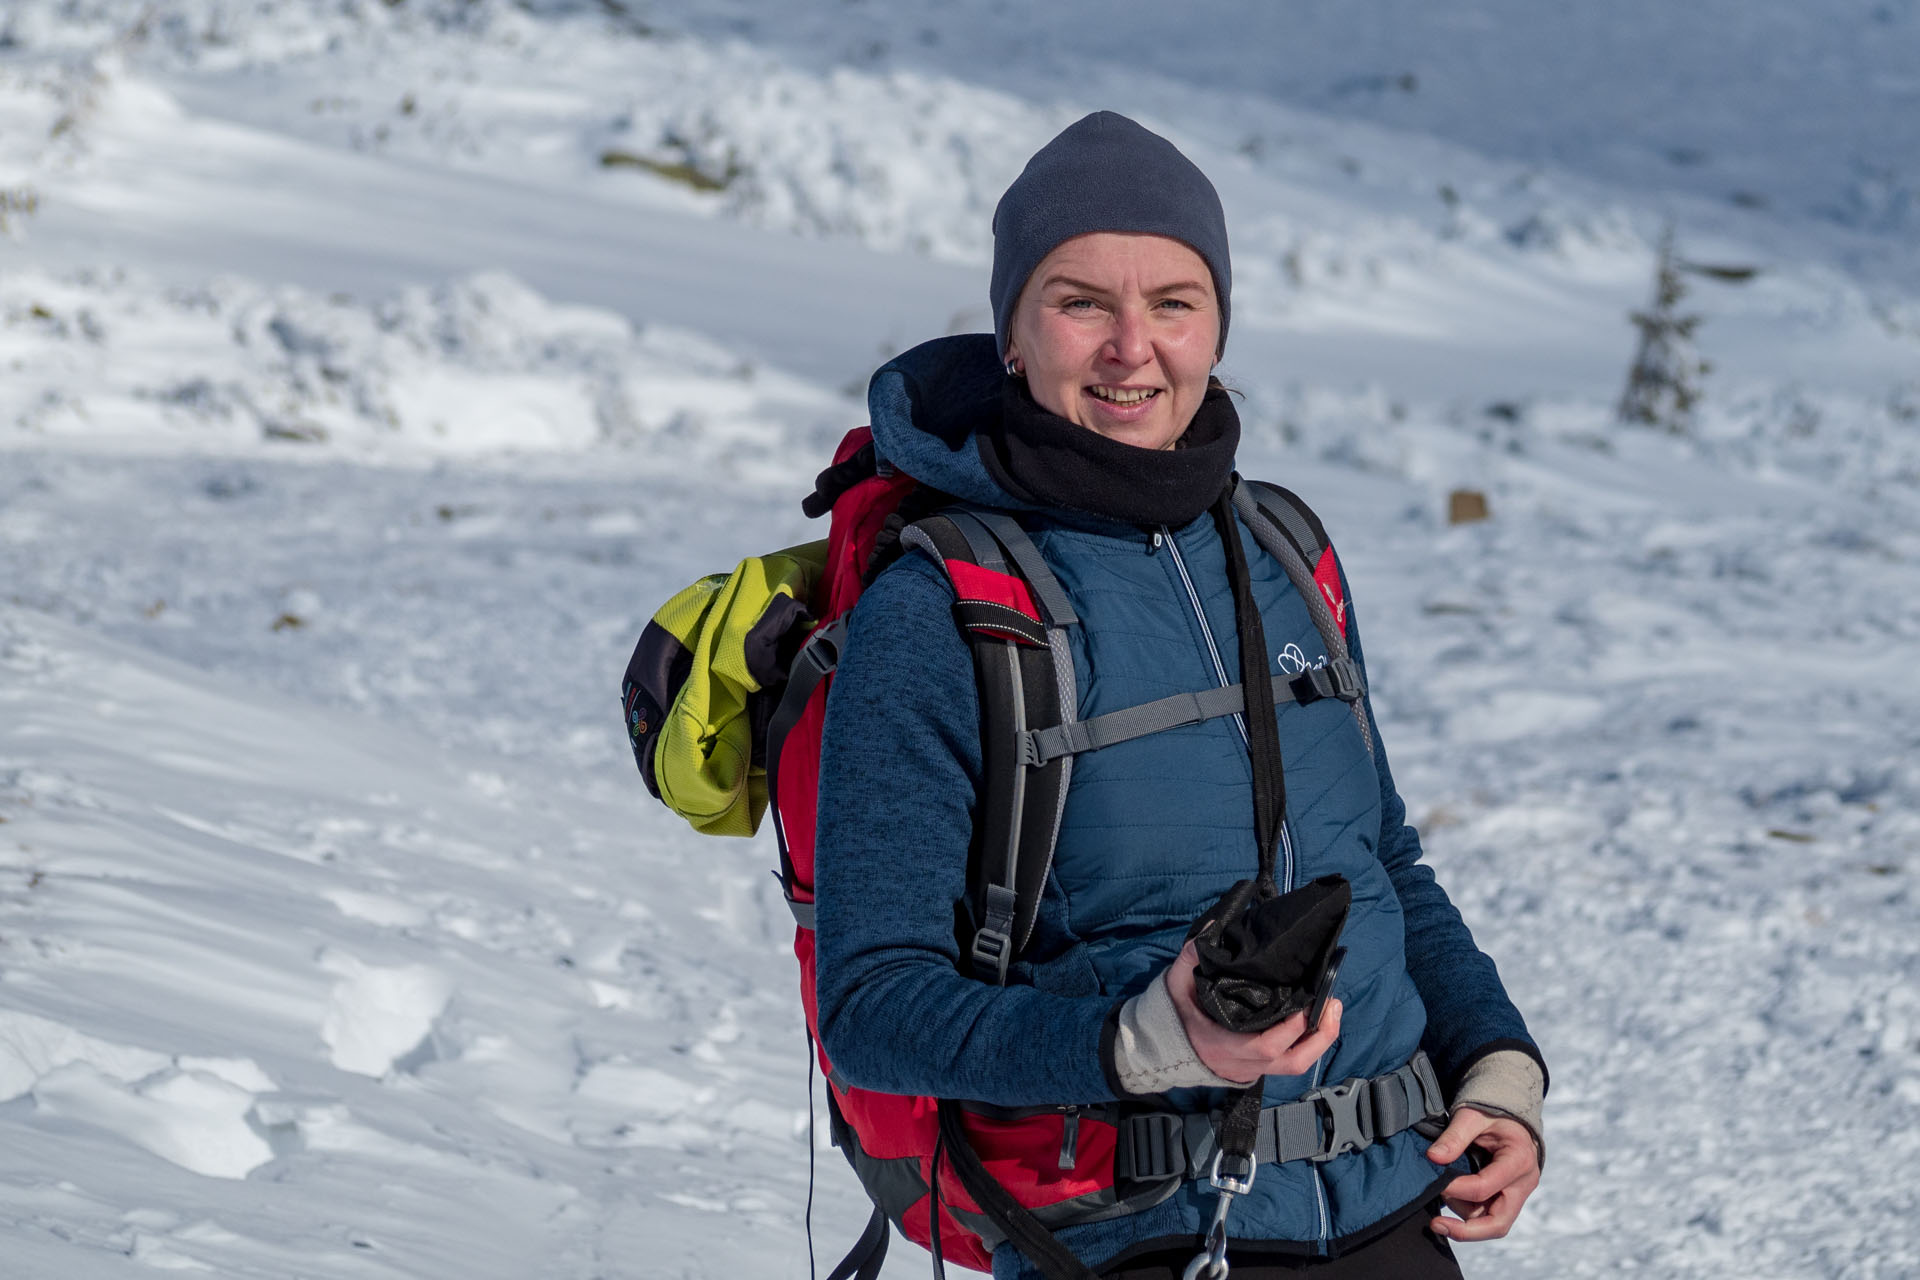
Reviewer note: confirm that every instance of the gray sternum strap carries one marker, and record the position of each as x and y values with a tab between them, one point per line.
1340	678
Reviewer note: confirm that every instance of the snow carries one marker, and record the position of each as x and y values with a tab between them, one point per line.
477	365
356	411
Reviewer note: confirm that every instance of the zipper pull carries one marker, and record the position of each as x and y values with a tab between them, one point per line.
1153	543
1069	1139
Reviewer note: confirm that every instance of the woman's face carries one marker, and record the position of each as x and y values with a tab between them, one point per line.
1116	332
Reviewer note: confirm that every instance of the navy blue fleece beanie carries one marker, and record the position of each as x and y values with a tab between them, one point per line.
1104	173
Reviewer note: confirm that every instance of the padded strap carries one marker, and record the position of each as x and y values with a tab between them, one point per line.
1261	506
1285	509
1017	670
985	548
1055	609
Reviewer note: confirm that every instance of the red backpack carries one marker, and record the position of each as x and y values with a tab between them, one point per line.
893	1141
960	1178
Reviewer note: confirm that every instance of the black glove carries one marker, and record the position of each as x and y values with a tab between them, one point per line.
1264	959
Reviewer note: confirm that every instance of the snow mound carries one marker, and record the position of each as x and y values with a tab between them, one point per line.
479	365
194	1119
194	1112
32	1047
377	1015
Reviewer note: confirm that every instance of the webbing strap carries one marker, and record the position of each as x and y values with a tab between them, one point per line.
980	540
815	662
1035	1242
863	1261
1329	1121
1338	679
1046	588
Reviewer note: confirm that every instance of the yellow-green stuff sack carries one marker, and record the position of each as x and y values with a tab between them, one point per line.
696	692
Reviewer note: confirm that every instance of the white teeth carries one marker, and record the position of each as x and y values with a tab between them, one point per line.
1118	396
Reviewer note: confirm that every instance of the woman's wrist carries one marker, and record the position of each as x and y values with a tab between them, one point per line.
1507	1083
1151	1052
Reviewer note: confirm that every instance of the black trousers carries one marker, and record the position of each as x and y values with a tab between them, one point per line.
1408	1252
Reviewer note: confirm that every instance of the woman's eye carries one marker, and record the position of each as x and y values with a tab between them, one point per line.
1078	306
1176	304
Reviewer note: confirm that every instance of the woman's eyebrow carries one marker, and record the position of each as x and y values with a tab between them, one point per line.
1083	286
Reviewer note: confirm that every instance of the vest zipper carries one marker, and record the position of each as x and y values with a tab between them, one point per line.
1220	673
1319	1181
1206	632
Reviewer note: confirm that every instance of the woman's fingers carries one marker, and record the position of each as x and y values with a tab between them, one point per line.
1284	1049
1466	1125
1507	1167
1490	1200
1487	1220
1288	1049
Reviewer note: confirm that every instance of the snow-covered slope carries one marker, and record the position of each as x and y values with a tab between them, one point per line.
290	993
369	372
592	148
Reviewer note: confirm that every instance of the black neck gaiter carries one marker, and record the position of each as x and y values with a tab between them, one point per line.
1040	457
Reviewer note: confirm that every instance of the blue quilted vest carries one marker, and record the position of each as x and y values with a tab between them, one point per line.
1156	829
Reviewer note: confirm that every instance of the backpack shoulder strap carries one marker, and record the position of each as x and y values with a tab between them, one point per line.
1287	529
1012	611
1291	515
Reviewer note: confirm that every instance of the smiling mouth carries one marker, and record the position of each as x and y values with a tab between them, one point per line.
1124	395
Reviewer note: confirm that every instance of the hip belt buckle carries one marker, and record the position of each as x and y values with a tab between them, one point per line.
1346	1117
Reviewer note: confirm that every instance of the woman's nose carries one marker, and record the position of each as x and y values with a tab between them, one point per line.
1129	343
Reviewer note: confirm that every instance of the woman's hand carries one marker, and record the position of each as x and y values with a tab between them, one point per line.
1284	1049
1490	1200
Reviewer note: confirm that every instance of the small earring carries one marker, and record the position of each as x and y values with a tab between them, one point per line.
1013	369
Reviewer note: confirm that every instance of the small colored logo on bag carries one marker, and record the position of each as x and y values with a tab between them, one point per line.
1326	575
636	713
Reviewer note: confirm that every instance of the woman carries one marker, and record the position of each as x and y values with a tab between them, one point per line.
1113	447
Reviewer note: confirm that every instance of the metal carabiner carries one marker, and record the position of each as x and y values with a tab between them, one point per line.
1211	1262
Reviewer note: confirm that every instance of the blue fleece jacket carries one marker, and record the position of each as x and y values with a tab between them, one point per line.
1154	831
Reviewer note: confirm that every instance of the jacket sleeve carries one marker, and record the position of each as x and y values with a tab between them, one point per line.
1469	1014
899	769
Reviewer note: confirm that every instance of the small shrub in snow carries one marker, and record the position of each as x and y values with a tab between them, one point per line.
1664	381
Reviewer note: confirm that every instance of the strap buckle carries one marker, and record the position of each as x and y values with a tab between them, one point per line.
1346	680
992	953
1152	1147
822	649
1339	678
1346	1117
